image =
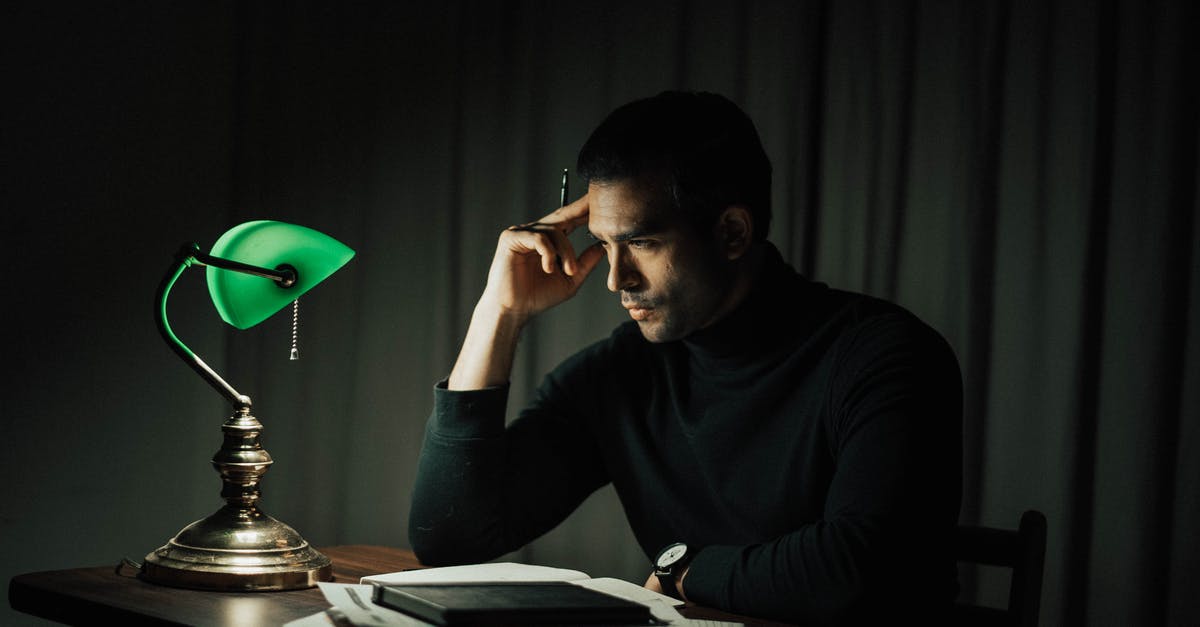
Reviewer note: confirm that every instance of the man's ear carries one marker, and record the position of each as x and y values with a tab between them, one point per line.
734	231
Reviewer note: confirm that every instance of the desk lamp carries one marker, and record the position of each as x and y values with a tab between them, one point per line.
254	270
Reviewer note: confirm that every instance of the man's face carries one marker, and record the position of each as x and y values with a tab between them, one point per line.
671	277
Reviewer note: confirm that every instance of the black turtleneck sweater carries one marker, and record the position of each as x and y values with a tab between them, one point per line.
809	443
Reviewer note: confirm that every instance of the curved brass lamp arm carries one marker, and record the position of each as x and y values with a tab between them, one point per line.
183	259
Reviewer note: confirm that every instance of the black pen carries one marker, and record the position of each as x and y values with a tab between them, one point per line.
562	197
562	202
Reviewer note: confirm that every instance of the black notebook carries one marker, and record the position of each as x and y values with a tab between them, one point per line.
510	603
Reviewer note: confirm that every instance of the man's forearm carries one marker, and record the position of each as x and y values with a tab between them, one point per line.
486	357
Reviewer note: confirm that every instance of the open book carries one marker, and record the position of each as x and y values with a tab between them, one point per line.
509	572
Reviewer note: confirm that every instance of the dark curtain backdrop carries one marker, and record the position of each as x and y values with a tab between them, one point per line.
1022	175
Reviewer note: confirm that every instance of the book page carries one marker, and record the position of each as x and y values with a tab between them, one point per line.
478	573
627	590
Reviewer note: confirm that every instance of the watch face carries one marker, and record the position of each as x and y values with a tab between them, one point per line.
671	554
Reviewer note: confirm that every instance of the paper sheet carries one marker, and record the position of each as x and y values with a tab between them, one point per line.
354	600
320	619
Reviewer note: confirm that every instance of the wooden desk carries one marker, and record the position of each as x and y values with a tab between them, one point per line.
99	595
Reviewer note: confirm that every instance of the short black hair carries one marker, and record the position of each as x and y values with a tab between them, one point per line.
700	146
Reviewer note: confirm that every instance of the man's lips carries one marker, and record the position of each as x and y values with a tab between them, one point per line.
638	311
639	314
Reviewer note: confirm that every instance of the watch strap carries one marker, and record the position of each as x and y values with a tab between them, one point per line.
666	581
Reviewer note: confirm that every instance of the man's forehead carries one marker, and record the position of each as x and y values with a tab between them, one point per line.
620	207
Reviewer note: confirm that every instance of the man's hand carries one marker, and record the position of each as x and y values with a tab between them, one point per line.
534	269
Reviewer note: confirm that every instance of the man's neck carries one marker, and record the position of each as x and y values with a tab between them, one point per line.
745	275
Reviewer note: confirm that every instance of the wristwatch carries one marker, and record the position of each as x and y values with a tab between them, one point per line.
669	565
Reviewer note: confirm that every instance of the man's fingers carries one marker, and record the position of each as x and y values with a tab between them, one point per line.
548	237
550	242
544	247
567	253
569	217
588	261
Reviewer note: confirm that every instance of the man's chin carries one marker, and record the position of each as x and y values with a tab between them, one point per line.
655	332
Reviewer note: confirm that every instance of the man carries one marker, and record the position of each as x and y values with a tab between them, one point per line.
797	446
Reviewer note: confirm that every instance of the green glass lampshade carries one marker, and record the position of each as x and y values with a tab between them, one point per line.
245	300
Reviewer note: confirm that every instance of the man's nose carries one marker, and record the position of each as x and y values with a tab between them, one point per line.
621	274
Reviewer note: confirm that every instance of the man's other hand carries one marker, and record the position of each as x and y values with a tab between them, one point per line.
652	583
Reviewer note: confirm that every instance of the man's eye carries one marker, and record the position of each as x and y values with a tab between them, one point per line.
641	243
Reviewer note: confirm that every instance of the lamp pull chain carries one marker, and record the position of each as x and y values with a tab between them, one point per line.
295	327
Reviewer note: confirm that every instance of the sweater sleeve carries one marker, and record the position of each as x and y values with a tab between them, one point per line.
482	489
882	546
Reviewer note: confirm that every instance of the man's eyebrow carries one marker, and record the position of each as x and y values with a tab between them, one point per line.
640	231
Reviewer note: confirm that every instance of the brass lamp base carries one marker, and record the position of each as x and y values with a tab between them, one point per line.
231	552
238	548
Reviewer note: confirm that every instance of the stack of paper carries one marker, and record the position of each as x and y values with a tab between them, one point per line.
352	602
